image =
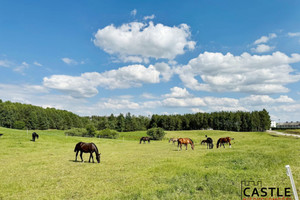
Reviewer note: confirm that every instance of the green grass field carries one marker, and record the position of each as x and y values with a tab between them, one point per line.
45	169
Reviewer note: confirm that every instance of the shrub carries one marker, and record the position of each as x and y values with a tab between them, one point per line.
156	133
77	132
91	130
107	133
19	125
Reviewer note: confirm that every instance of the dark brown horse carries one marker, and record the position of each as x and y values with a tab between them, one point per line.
173	140
87	148
222	141
34	135
185	141
145	139
208	142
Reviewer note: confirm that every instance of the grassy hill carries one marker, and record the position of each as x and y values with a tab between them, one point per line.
45	169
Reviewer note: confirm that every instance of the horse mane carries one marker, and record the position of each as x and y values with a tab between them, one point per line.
96	148
76	147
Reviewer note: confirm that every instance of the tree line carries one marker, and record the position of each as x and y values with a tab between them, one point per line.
25	116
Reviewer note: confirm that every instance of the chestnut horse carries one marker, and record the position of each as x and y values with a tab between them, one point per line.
222	141
87	148
185	141
145	139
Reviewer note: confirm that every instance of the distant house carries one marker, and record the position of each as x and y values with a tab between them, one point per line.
295	125
273	124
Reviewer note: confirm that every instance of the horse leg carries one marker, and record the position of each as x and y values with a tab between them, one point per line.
81	152
76	156
229	145
91	156
186	146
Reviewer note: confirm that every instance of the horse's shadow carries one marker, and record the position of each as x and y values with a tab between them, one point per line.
77	161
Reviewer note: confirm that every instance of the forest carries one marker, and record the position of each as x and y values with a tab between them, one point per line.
26	116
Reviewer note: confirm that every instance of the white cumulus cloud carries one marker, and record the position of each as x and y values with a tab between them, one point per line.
265	39
86	85
262	48
178	92
144	40
265	74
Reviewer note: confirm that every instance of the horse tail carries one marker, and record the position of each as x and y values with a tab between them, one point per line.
218	142
191	141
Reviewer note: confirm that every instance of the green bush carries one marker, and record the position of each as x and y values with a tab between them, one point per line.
156	133
19	125
107	133
91	130
80	132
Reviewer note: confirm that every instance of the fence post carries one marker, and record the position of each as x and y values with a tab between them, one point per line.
289	173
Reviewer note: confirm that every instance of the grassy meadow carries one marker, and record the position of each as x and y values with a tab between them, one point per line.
45	169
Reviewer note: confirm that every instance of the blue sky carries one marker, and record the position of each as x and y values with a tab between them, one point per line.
152	57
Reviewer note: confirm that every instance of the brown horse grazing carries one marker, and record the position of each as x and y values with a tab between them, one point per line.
185	141
87	148
222	141
173	140
145	139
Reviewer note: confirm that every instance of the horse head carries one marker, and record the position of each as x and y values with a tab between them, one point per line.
192	143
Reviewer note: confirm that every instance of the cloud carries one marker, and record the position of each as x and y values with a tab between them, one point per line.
149	17
257	100
297	34
265	74
262	48
77	87
186	102
146	95
37	64
21	68
21	93
69	61
165	71
265	39
177	92
85	86
119	104
133	12
5	63
144	40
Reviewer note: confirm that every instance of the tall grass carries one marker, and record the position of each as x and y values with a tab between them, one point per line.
45	169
